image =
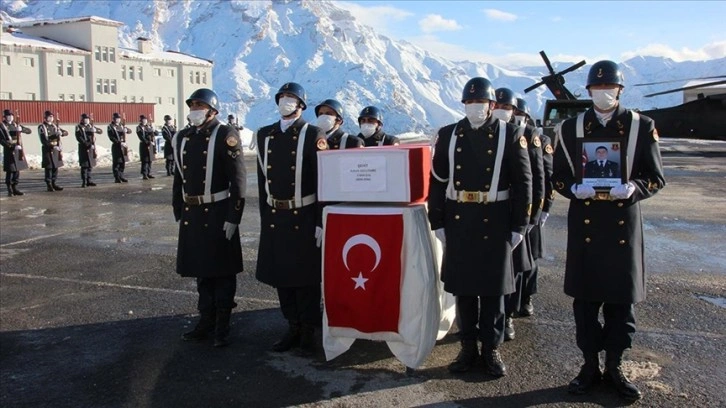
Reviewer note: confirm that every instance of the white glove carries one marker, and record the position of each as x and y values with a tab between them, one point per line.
123	144
93	147
318	236
543	218
56	148
229	229
440	235
19	128
18	147
516	239
582	191
623	191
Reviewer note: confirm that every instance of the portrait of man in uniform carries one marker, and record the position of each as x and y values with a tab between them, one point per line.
605	171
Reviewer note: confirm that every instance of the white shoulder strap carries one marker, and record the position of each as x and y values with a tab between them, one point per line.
494	188
343	141
632	141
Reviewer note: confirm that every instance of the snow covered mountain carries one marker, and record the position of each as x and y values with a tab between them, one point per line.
259	45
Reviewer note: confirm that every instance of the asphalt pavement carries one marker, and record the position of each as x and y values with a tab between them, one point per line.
91	310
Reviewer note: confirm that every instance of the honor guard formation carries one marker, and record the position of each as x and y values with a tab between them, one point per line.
492	183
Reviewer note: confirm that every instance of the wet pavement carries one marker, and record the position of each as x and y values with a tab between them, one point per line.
91	310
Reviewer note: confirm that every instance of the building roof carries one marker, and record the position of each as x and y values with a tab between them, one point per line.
18	39
171	56
93	19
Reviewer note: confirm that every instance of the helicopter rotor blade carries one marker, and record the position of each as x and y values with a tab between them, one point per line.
572	68
680	80
686	88
537	85
547	62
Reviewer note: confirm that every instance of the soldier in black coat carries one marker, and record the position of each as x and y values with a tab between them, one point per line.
167	132
330	119
605	267
13	155
208	198
535	235
50	145
370	121
147	147
479	207
86	137
291	233
117	132
233	122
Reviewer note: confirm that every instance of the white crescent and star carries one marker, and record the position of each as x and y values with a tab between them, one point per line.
361	239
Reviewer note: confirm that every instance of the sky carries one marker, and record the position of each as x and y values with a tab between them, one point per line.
511	33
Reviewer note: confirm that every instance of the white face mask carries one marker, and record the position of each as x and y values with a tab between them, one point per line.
503	114
368	129
605	99
49	119
477	113
169	123
144	121
326	122
117	121
197	117
86	121
10	118
521	120
287	106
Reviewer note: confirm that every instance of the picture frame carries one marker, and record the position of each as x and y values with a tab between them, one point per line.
604	163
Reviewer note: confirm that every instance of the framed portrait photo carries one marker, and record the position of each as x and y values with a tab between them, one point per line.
603	163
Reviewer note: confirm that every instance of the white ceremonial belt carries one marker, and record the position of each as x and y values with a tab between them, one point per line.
207	198
463	196
290	204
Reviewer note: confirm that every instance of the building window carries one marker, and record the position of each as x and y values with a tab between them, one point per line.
98	53
141	74
191	77
30	96
132	75
60	67
6	95
158	100
5	60
104	54
80	69
125	98
112	54
157	72
71	97
172	101
106	86
198	77
204	78
141	99
170	73
99	86
69	68
61	97
123	71
113	86
81	97
133	99
29	61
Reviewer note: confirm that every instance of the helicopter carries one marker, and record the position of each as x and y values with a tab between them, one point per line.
703	118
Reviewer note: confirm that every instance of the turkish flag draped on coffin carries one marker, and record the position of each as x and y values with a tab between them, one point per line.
362	265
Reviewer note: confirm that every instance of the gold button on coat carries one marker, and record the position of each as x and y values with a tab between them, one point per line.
587	240
587	222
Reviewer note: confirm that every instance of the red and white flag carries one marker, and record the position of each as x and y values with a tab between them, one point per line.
362	264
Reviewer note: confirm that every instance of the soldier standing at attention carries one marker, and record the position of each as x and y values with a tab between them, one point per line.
370	121
50	141
167	132
13	154
605	260
208	197
330	119
232	122
479	208
86	136
536	234
117	132
145	132
291	233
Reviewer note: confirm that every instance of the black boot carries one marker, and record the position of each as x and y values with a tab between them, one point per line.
10	191
56	187
527	307
123	180
221	329
16	191
509	329
49	187
307	340
290	339
205	326
466	358
151	176
117	180
493	363
89	183
614	376
589	375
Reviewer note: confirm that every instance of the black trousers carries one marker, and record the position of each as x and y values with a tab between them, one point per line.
301	304
145	168
118	168
11	177
481	317
529	281
170	167
216	293
615	335
513	301
51	174
86	174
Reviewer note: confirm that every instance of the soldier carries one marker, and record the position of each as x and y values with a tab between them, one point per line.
147	148
167	132
330	119
605	262
117	132
208	197
231	121
13	155
50	140
86	136
370	121
291	217
479	208
536	234
522	258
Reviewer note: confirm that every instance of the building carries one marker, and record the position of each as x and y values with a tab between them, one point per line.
80	60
